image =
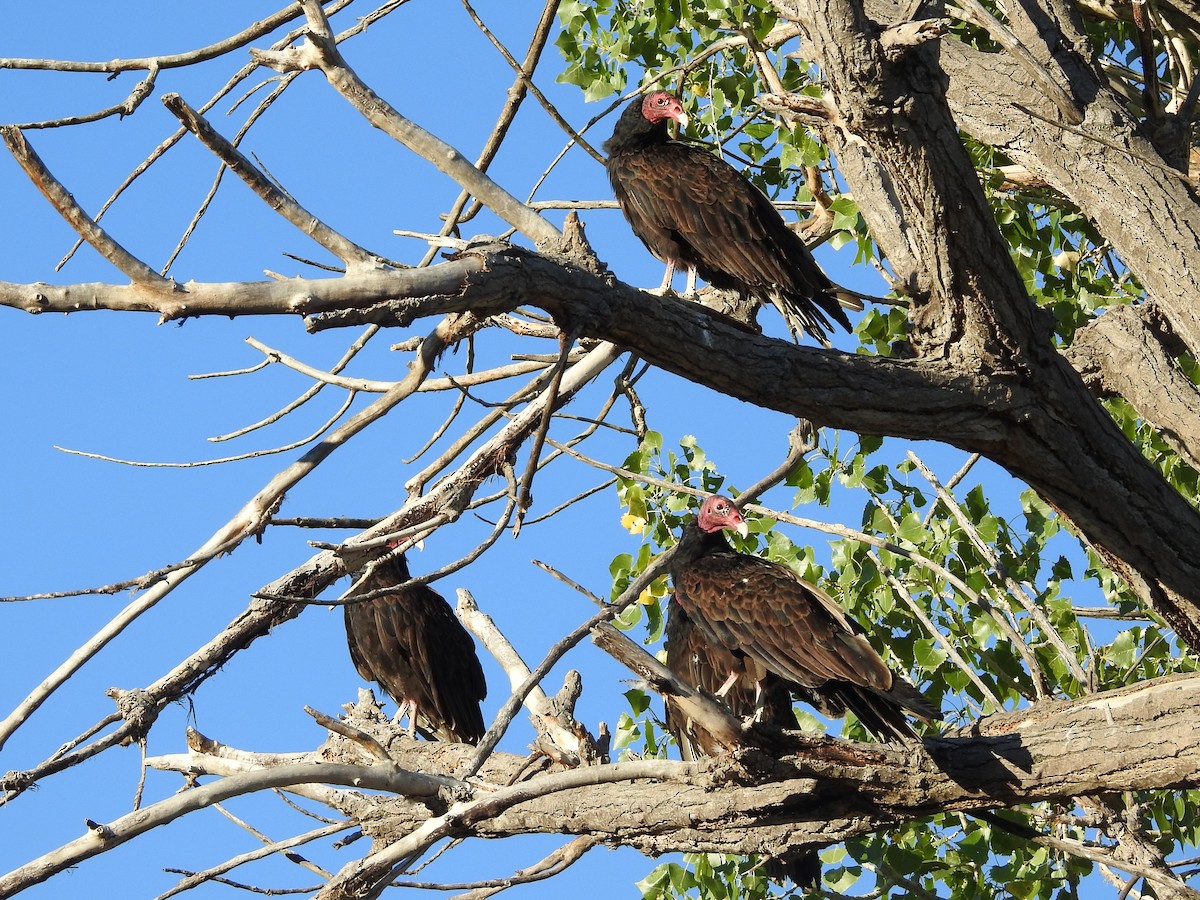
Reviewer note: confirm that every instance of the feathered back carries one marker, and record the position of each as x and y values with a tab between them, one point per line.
764	612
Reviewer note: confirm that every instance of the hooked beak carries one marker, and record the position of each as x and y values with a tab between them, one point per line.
742	528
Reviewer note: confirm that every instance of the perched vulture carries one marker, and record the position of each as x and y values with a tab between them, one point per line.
774	623
411	643
692	209
705	665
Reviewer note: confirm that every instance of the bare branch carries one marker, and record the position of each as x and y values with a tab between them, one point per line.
229	44
194	879
344	249
60	198
323	53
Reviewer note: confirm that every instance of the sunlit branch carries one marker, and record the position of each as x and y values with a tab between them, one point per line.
103	837
171	61
566	745
516	96
346	250
469	379
195	879
378	866
509	710
322	53
66	206
558	861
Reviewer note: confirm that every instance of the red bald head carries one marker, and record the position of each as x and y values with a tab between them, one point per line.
661	105
718	513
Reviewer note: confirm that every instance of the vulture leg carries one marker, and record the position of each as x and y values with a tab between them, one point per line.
729	683
668	276
760	703
689	292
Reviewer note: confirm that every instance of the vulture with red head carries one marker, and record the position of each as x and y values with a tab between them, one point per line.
411	643
692	209
774	625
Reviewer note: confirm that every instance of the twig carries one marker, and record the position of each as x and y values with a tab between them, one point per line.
509	710
582	495
352	351
516	96
524	491
946	644
558	861
254	454
126	107
249	520
367	741
469	379
346	250
292	857
802	440
953	482
1016	590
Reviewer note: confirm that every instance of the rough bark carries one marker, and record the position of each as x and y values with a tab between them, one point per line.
821	790
897	145
1120	354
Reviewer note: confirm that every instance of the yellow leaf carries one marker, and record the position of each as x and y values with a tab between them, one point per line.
633	524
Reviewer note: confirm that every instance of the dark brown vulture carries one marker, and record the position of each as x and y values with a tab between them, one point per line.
705	665
773	622
411	643
692	209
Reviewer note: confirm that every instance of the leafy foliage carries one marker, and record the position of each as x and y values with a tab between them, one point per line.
954	559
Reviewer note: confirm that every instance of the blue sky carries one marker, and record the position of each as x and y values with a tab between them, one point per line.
117	384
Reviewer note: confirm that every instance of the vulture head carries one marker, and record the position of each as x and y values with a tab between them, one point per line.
718	513
661	105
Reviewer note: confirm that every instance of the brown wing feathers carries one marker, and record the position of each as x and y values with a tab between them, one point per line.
762	611
692	208
410	642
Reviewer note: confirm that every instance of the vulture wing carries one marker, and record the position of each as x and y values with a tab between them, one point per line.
794	629
687	204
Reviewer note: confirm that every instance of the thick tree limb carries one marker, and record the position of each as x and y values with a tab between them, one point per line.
821	789
1119	353
1025	409
898	147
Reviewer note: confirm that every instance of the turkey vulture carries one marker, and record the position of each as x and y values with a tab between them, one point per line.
702	664
705	665
693	209
773	622
411	643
